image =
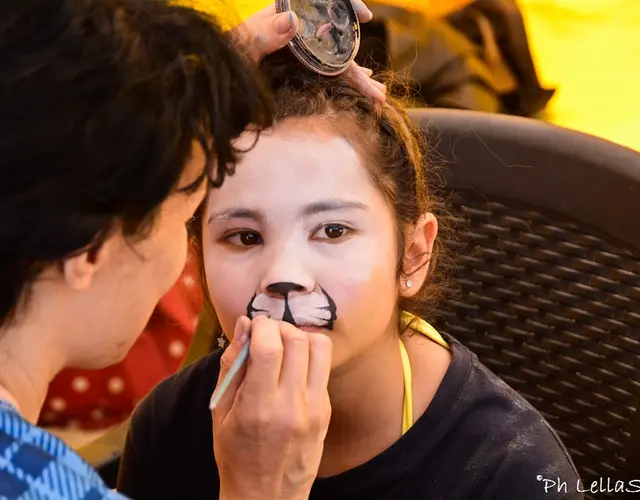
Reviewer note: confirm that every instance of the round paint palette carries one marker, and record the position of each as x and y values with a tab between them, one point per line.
328	35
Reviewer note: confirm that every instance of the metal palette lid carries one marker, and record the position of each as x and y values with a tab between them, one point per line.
328	35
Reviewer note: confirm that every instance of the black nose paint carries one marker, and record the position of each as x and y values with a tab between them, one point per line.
284	288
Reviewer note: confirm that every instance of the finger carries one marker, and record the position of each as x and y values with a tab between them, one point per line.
320	353
379	85
366	71
268	11
377	95
270	34
230	355
366	85
295	361
355	68
245	28
363	12
265	362
378	89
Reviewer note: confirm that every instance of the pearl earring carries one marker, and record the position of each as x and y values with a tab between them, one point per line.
409	283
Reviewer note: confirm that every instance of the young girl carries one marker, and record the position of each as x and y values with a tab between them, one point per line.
330	223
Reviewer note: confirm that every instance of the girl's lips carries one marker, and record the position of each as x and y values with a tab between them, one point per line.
312	329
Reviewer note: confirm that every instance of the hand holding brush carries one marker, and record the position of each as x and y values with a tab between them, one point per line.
277	394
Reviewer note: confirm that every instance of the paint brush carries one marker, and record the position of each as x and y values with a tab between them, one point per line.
237	364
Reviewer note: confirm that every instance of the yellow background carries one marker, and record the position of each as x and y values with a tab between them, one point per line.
588	49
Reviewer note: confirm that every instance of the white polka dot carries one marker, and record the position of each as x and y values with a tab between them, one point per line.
189	281
176	349
80	384
115	385
196	320
58	404
97	414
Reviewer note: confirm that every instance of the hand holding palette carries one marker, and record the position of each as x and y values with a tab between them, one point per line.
328	36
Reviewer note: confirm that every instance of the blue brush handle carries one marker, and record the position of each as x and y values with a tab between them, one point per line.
237	364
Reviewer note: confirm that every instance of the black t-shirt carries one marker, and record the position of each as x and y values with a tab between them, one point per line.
477	440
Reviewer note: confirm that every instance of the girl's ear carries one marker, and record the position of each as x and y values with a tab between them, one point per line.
418	248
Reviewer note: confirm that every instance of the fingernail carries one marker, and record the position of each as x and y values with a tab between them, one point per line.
364	13
244	333
244	336
284	23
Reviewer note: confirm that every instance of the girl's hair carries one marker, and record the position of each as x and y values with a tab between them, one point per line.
100	105
393	150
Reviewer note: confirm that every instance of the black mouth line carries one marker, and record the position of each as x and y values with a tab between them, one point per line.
288	316
309	325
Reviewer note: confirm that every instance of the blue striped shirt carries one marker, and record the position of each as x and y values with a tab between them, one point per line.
36	465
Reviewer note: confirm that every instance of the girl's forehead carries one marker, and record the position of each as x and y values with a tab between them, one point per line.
289	162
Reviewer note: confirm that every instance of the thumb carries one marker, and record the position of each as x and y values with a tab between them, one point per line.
272	33
229	357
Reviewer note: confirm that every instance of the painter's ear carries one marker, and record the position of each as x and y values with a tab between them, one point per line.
79	271
418	249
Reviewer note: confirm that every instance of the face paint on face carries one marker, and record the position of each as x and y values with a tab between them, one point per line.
300	309
312	217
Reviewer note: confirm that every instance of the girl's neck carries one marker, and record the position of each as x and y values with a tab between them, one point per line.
366	405
367	399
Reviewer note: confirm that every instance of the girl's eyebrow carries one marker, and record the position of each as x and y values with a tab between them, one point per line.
235	213
314	208
331	205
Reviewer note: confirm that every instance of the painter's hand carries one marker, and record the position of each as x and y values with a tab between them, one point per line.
267	31
270	425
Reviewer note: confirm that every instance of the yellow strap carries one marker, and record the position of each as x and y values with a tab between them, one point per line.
407	406
420	326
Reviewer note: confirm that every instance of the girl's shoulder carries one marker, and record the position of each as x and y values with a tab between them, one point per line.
181	393
478	424
174	415
496	430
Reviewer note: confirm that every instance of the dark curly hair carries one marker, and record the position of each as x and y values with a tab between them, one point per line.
100	104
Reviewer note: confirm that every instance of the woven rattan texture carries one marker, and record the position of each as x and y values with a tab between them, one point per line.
555	312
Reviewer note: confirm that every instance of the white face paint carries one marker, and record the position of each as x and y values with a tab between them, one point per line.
315	309
302	211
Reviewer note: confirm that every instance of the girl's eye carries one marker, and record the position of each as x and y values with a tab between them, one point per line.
330	232
244	238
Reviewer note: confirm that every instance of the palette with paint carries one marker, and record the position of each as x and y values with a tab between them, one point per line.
328	36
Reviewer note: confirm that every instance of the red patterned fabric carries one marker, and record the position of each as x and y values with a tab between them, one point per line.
95	399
